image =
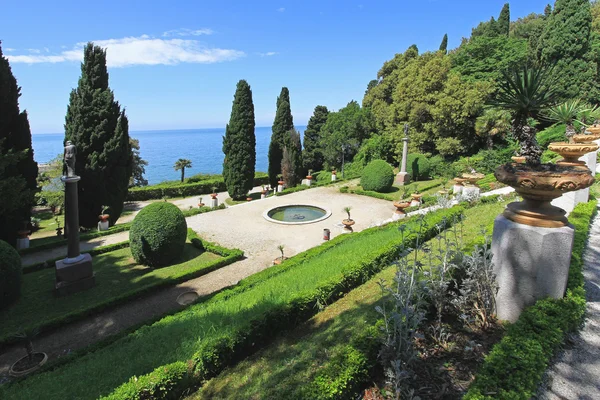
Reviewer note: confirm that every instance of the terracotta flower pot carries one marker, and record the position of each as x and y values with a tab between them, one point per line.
279	260
309	177
416	196
248	198
459	181
104	217
333	172
538	186
586	138
23	233
473	178
348	222
400	206
200	205
571	152
280	182
213	195
519	159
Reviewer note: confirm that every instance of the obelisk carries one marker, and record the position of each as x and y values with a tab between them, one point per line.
74	273
403	178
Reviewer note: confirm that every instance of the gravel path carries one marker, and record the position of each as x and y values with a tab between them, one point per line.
576	372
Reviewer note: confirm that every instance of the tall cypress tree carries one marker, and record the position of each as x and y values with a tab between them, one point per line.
444	44
15	147
503	23
283	123
312	155
99	129
291	162
239	143
566	44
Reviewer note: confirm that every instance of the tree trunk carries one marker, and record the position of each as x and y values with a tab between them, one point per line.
182	174
525	135
490	142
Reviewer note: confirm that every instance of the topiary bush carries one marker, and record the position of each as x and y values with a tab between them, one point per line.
377	176
157	235
418	167
11	274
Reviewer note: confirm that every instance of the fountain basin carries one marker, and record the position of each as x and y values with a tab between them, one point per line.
296	214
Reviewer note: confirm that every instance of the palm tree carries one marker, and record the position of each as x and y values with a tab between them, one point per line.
493	122
525	94
347	211
567	113
588	116
182	164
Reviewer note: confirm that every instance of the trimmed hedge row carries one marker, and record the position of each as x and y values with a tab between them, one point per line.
186	189
300	188
515	366
225	348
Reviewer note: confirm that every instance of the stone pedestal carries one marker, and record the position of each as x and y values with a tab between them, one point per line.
263	195
415	203
530	263
457	189
103	225
280	188
307	182
333	177
398	216
23	243
74	275
468	191
402	178
214	203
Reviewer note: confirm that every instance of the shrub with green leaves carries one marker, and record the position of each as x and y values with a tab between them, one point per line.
10	274
158	234
417	166
378	176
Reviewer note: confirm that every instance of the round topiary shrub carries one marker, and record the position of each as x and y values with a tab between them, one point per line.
11	274
377	176
157	235
418	167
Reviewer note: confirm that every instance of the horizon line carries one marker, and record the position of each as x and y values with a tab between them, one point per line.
158	130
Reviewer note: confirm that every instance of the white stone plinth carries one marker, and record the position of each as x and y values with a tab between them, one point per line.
214	203
280	188
333	177
471	192
530	263
415	203
402	178
23	243
397	216
263	195
457	189
103	225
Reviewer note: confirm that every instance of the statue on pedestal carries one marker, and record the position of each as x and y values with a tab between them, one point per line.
69	159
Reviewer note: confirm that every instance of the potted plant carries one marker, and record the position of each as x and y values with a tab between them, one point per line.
103	214
525	94
309	176
214	192
348	222
59	229
264	190
200	203
32	361
416	195
400	206
279	260
280	179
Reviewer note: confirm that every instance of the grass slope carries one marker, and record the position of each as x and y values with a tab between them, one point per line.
290	366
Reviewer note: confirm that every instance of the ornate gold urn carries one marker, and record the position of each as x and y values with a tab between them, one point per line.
571	152
538	186
586	138
473	178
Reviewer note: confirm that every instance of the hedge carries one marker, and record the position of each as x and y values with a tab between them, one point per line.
11	275
300	188
515	366
378	176
186	189
253	326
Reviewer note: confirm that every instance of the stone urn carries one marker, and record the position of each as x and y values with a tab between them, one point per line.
586	138
400	206
593	129
571	152
459	181
471	179
28	364
519	159
538	186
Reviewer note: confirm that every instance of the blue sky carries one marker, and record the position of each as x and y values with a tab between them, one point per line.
174	64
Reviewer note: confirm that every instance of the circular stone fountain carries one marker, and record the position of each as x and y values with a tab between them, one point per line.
296	214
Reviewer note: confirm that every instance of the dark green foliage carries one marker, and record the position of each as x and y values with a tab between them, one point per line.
566	44
529	28
348	127
444	44
137	165
487	28
11	275
417	166
158	234
18	170
377	147
98	127
291	163
284	122
371	85
377	176
515	366
312	155
503	23
239	144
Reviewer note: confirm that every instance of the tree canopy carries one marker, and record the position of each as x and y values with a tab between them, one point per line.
312	155
284	122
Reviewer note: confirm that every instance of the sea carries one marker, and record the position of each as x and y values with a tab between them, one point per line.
204	147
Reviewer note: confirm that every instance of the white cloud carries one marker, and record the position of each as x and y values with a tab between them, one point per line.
9	49
268	54
143	50
188	32
34	51
281	9
47	50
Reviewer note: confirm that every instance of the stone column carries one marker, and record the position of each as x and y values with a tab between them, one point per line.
403	178
74	273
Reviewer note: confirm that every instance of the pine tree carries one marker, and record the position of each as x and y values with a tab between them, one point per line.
138	165
291	161
547	10
283	123
565	44
99	129
503	23
444	44
239	143
18	168
312	155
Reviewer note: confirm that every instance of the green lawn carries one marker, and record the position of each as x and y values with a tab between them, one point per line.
287	367
232	202
429	187
118	277
327	270
47	224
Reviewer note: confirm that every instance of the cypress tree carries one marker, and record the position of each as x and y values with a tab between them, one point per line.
565	44
444	44
547	10
291	162
503	23
99	128
239	144
283	123
312	155
19	168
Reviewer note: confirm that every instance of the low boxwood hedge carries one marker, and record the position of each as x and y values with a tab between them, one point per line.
11	275
515	366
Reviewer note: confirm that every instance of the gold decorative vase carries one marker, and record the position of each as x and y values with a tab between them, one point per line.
519	159
571	152
473	178
538	186
593	129
586	138
400	206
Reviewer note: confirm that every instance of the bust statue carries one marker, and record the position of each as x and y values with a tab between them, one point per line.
69	160
405	130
